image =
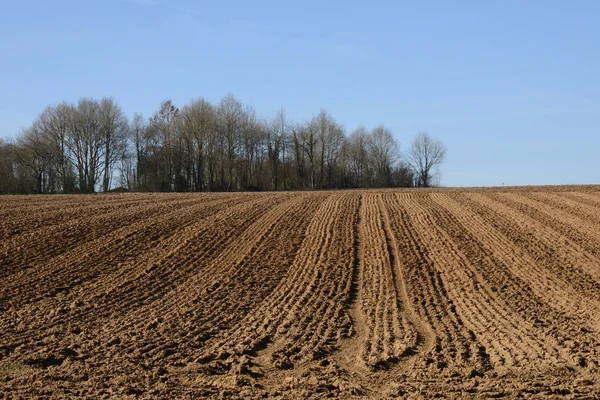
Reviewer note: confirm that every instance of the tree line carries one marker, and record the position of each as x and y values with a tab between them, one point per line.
91	146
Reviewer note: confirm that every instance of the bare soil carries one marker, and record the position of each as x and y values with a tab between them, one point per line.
449	293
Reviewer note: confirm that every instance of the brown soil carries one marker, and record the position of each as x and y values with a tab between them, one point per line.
474	293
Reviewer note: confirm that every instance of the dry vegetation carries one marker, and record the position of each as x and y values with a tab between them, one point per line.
382	293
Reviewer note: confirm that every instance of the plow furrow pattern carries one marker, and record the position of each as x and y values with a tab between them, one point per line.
574	229
451	342
317	284
209	303
553	243
508	340
548	303
572	206
377	293
514	276
583	228
29	218
150	288
389	333
584	198
104	299
99	257
23	252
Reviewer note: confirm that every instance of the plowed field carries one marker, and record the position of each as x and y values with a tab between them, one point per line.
389	293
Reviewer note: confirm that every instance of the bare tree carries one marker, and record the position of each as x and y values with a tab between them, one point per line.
86	143
126	168
283	135
8	176
163	126
252	134
114	127
310	140
424	154
384	153
358	156
204	147
137	133
298	154
230	120
334	143
53	123
198	123
322	121
34	151
276	145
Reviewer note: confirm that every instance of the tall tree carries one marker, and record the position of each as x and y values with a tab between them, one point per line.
35	152
334	143
79	147
252	135
310	141
283	138
53	122
322	122
424	154
384	153
198	123
114	127
230	120
163	124
359	157
8	178
297	144
86	143
276	146
137	134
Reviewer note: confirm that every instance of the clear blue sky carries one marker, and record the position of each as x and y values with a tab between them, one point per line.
511	87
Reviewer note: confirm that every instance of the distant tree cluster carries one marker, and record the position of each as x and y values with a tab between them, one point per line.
91	146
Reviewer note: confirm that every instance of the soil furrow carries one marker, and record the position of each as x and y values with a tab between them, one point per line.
553	243
383	293
507	340
424	339
427	293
